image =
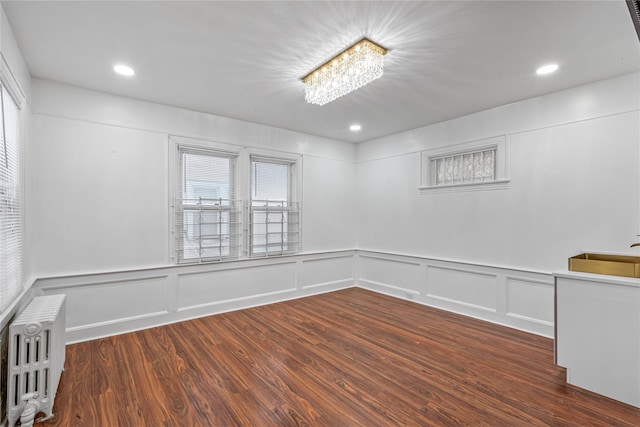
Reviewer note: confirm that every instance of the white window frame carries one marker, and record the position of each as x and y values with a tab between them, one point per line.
177	144
19	97
293	204
428	174
242	188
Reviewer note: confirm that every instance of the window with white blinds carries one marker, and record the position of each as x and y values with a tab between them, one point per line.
208	223
11	226
273	215
232	202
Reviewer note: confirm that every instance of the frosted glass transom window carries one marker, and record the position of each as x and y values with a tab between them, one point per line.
470	166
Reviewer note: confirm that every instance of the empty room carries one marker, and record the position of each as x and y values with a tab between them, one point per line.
320	213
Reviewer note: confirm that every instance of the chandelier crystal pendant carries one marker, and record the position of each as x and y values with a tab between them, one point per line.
351	69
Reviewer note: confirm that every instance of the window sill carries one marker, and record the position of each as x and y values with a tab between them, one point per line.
500	184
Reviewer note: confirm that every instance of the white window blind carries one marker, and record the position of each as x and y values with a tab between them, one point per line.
11	227
273	214
208	221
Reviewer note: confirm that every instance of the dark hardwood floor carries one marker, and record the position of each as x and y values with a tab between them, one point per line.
346	358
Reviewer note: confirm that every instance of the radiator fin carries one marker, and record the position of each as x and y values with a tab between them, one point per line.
36	355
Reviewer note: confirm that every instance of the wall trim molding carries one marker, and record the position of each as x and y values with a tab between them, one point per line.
472	289
182	269
236	300
116	321
387	286
150	297
418	258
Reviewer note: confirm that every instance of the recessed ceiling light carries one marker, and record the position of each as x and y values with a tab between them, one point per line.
123	70
355	128
550	68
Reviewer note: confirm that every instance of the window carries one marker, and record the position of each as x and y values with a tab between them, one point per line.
11	227
207	223
231	202
273	215
475	165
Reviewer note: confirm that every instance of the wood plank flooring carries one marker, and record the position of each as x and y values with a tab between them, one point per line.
346	358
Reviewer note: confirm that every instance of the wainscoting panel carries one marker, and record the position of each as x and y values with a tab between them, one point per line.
530	300
396	275
462	286
111	303
324	271
214	287
511	297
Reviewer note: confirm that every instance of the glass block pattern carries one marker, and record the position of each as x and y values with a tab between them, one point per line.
464	168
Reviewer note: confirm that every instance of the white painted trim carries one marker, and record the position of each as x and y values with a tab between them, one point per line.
528	280
385	285
11	83
413	287
427	175
462	303
530	319
108	282
116	321
205	144
499	184
177	269
419	258
602	278
382	258
462	270
420	292
234	300
166	309
276	260
333	282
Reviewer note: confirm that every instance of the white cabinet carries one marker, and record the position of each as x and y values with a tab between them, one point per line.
598	333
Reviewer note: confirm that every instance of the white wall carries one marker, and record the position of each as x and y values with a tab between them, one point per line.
573	164
99	214
572	158
98	209
99	195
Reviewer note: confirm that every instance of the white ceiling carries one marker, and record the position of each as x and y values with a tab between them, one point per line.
244	59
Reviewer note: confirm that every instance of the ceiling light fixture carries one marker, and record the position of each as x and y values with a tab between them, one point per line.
123	70
547	69
355	128
351	69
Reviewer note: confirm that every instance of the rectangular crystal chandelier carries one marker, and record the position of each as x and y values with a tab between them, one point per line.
351	69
